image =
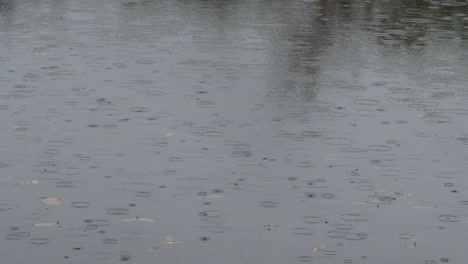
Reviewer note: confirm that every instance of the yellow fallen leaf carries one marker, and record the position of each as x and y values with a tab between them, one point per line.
44	224
319	248
170	240
24	182
51	201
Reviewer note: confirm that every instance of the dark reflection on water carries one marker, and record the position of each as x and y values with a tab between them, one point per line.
239	131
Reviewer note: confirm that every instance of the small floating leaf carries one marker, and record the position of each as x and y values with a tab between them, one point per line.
25	182
319	248
51	201
146	220
44	224
141	219
170	240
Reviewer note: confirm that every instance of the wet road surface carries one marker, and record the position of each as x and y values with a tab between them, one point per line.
233	131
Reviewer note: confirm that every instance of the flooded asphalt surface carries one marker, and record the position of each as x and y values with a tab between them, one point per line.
233	131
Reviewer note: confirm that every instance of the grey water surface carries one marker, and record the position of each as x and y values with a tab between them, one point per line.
233	131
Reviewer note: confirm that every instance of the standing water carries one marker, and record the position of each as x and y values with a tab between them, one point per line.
240	131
